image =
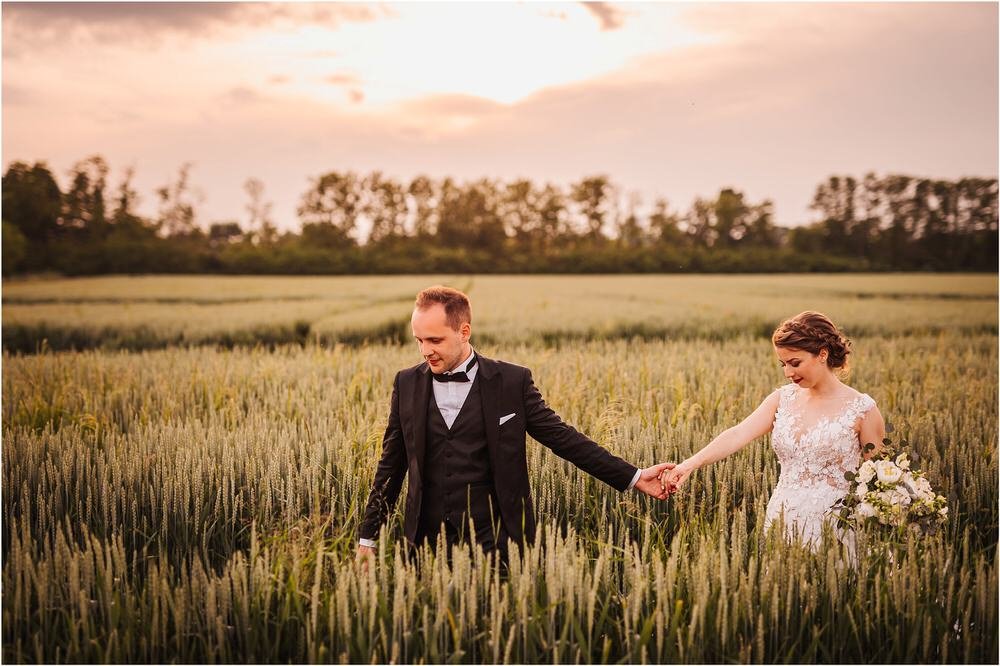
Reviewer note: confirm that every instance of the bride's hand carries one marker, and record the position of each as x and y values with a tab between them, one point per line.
673	478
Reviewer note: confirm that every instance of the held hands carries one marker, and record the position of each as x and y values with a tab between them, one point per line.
674	476
649	481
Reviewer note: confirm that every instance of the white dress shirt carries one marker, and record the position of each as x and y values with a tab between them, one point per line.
450	396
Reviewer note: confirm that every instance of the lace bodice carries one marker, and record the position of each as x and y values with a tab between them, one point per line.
813	457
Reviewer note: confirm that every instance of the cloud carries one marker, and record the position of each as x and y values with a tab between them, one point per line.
242	95
15	95
445	105
160	16
323	54
114	117
351	83
611	17
437	114
552	13
54	23
342	79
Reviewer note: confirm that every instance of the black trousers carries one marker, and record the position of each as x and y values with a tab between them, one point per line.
486	525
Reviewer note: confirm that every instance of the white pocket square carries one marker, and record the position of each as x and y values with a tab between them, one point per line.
504	419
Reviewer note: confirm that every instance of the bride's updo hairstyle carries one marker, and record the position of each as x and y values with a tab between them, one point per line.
814	332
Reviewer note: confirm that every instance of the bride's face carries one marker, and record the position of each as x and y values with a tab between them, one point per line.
802	367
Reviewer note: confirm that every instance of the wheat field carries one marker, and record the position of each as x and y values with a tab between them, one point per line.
183	502
154	312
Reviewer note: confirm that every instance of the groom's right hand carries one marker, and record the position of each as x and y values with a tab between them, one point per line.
365	553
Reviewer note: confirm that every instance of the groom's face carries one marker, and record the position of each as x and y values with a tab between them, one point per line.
442	346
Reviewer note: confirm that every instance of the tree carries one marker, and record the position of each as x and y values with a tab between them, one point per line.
468	216
759	228
422	192
631	233
553	217
864	237
260	226
592	196
84	205
224	233
898	193
126	201
699	223
15	249
664	225
729	217
32	201
177	209
331	208
835	200
385	207
519	210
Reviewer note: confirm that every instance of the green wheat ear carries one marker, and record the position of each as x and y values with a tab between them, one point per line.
201	503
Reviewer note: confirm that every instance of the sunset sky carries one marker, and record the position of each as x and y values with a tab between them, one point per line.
673	100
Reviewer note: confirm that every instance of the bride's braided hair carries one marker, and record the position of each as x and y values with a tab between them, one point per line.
813	332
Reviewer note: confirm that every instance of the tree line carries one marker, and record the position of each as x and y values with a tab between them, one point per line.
370	223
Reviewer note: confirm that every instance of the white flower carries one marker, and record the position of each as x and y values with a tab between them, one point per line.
918	487
910	483
943	511
902	461
864	510
887	471
861	491
866	472
901	497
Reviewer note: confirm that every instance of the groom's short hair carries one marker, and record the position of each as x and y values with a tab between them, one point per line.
457	309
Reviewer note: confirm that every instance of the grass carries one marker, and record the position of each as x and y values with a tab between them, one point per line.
197	504
140	313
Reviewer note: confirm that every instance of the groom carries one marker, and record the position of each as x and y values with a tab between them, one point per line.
457	424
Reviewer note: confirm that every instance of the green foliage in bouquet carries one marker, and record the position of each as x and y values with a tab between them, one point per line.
889	494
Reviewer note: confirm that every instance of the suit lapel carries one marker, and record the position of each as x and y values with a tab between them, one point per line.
491	390
421	398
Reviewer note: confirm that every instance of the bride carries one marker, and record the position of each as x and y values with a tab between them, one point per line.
819	427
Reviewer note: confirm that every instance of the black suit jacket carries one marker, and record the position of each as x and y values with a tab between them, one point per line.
506	389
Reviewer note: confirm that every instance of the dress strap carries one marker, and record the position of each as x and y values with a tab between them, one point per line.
859	406
787	393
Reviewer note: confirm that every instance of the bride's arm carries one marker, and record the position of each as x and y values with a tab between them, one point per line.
872	431
730	441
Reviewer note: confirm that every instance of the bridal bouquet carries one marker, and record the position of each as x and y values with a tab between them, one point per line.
887	492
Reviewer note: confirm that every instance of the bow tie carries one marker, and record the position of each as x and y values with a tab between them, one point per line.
462	376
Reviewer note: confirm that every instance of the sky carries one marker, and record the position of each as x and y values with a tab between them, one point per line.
673	100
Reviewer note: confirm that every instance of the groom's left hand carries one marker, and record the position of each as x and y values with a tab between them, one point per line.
649	481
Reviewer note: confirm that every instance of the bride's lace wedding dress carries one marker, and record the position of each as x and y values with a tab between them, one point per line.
813	457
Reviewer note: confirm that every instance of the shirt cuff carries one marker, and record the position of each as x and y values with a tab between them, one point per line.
635	479
371	544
